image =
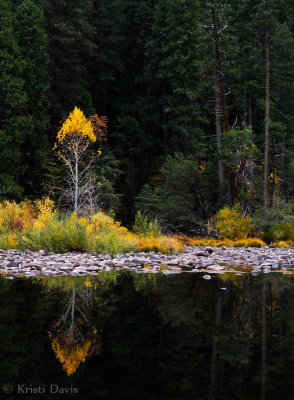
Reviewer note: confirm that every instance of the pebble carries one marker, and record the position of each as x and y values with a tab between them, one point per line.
193	259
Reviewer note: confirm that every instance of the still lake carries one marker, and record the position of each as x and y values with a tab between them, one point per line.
119	335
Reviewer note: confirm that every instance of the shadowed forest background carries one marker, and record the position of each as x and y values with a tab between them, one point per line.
198	96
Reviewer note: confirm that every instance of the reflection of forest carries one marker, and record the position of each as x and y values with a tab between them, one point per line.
164	337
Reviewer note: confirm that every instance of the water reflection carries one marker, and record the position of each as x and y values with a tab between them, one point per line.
124	336
74	336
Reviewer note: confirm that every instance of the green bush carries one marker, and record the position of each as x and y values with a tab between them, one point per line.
110	243
279	232
281	212
181	194
59	235
144	227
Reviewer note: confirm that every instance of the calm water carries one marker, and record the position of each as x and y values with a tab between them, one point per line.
147	337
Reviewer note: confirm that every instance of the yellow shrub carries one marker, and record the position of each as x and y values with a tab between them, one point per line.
232	225
29	213
45	212
10	214
102	222
84	221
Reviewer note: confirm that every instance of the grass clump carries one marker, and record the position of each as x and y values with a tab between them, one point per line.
161	244
251	242
206	242
283	244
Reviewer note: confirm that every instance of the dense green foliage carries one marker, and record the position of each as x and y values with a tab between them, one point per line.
191	88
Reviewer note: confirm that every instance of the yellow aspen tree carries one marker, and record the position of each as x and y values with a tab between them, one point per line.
74	147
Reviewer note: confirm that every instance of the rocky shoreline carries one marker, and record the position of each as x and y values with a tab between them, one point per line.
193	259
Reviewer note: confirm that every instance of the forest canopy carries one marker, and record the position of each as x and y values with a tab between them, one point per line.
198	96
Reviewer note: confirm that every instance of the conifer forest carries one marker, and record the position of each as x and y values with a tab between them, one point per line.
191	102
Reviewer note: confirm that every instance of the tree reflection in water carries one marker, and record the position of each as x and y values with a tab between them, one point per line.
73	337
164	337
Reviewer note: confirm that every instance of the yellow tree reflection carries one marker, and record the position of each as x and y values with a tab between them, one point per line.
73	337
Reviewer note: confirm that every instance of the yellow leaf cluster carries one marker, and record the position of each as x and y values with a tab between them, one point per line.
70	357
102	222
12	242
232	225
76	124
46	211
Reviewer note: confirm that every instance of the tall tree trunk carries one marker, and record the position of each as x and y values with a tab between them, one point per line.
266	126
221	93
251	156
218	124
219	74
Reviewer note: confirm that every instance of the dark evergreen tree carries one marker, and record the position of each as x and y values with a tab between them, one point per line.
14	124
70	44
33	45
176	71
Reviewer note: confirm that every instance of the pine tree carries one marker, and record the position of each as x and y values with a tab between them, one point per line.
176	72
14	124
70	36
33	45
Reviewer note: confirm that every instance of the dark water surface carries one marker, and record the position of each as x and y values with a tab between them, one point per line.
147	337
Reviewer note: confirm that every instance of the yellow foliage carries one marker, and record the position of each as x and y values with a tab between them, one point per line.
90	283
251	242
162	244
70	356
45	212
101	222
29	213
36	225
283	243
206	242
12	242
16	217
84	221
232	225
76	124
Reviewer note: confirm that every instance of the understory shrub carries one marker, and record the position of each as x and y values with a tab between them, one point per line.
58	235
231	224
111	243
281	212
144	227
37	225
179	195
279	232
